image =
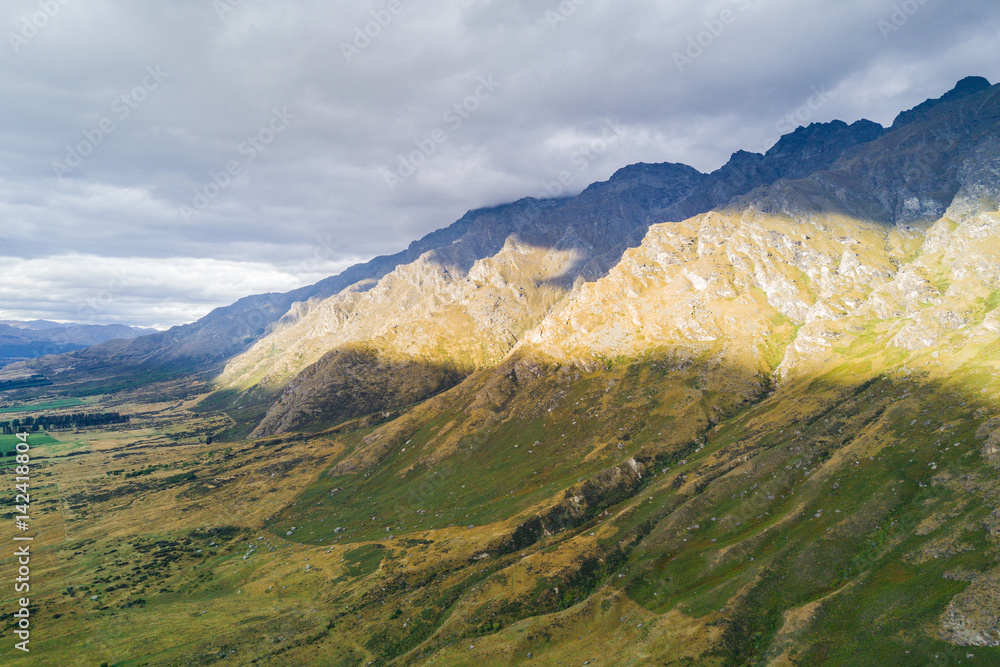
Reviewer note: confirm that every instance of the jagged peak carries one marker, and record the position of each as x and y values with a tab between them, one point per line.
655	168
741	160
967	86
745	156
658	174
861	131
970	85
864	123
790	148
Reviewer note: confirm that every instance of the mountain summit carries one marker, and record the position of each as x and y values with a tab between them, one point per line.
970	85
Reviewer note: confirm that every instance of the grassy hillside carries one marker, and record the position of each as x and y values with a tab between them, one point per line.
679	514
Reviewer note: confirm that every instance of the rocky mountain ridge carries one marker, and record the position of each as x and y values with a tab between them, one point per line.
480	313
441	318
784	279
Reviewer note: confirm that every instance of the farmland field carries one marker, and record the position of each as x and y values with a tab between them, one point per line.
54	404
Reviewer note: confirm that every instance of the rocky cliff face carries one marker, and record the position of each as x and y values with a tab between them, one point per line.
789	277
464	307
895	229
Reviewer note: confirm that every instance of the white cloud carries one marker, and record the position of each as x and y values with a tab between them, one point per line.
157	293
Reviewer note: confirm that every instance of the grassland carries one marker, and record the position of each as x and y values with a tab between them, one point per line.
54	404
639	514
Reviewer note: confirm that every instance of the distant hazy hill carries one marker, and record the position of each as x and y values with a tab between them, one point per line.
20	341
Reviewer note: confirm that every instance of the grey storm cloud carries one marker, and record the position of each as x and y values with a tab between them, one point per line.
192	152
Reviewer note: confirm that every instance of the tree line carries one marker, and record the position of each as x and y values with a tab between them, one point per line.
57	422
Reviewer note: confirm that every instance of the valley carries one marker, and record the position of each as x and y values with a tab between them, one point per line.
824	504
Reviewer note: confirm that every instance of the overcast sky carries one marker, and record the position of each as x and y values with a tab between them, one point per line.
164	158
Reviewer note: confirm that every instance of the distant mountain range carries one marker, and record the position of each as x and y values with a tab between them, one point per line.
20	341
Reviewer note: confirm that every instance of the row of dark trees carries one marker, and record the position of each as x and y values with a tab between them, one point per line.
56	422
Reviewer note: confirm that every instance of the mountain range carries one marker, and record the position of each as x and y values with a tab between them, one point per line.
743	417
462	298
20	340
